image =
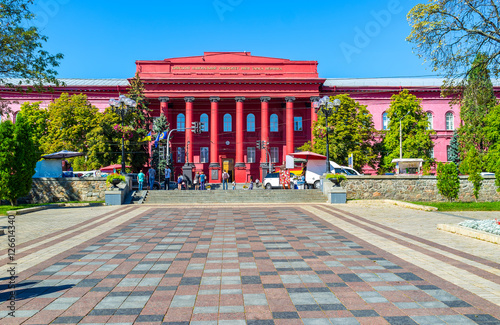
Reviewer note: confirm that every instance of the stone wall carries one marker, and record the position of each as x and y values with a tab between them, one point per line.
414	188
48	190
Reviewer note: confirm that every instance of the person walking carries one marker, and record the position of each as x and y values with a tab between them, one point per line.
152	176
140	179
179	182
251	183
167	177
203	178
225	177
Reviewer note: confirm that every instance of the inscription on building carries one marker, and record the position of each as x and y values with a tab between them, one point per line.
229	68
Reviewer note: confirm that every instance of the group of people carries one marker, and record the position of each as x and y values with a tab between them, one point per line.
151	176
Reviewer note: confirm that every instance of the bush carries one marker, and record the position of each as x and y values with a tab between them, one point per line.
114	176
448	182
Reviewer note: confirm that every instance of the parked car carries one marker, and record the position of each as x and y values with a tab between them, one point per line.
273	181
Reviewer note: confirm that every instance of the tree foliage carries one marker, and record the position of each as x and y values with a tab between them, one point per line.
350	130
449	34
471	165
491	161
478	99
448	182
17	159
416	135
21	53
454	152
160	125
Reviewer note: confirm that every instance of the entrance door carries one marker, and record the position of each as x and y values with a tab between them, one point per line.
228	165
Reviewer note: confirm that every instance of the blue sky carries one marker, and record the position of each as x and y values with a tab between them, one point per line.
349	39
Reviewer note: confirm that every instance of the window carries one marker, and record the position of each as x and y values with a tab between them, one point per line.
250	123
181	154
432	153
275	154
449	121
250	154
181	122
228	123
448	153
204	155
429	119
297	123
273	126
204	120
385	121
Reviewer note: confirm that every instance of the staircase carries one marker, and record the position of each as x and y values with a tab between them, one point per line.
234	196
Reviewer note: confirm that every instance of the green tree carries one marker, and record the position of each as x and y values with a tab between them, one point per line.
38	119
449	34
350	130
471	165
21	53
454	153
71	119
448	182
491	130
17	167
478	99
141	113
160	125
416	135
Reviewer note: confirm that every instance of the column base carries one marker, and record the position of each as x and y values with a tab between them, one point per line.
240	165
214	165
187	172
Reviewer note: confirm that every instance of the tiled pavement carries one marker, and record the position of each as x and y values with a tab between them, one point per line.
254	265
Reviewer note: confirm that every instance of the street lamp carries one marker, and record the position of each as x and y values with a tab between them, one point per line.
122	106
325	106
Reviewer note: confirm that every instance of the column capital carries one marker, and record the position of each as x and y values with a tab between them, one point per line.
265	99
240	99
315	99
289	99
164	99
189	99
214	99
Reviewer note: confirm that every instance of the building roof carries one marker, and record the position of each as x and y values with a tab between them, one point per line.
389	82
79	82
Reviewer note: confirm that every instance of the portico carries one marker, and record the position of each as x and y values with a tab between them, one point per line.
241	99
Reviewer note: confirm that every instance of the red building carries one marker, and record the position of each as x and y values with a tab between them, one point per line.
242	99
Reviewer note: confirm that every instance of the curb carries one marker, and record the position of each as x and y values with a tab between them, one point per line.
51	206
398	203
469	232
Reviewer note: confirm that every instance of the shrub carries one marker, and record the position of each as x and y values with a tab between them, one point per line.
113	176
448	182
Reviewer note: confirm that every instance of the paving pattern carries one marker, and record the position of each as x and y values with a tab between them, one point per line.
248	265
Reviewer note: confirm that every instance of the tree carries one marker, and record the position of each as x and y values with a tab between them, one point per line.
141	113
449	34
38	119
471	165
454	153
21	53
17	163
478	99
448	182
417	142
491	160
350	130
160	125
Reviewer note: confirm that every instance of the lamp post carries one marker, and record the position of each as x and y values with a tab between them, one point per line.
325	106
122	106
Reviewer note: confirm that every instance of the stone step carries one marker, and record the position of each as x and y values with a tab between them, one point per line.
236	196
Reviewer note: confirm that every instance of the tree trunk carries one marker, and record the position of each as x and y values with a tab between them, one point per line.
13	202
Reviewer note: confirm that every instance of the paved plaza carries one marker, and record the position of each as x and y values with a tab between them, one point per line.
359	263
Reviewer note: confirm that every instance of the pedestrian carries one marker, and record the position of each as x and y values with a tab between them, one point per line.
196	181
225	177
251	183
179	182
140	179
234	185
152	176
167	177
203	178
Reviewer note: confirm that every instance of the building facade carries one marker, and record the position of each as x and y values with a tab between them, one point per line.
242	99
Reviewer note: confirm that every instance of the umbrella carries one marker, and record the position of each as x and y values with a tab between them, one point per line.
110	168
63	154
308	155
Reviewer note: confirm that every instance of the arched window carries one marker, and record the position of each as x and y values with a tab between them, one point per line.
204	120
273	126
430	124
385	121
250	123
228	123
181	122
450	125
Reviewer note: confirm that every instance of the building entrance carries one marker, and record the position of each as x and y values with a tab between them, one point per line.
228	165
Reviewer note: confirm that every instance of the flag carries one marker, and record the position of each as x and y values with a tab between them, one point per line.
163	135
147	138
157	140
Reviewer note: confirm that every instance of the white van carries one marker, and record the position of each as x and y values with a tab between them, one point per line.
316	168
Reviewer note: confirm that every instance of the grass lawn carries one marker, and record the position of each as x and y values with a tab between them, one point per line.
462	206
5	208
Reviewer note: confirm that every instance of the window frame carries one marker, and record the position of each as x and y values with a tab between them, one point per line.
251	155
205	120
204	155
385	121
181	155
181	122
297	121
250	122
228	123
452	121
274	123
275	154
